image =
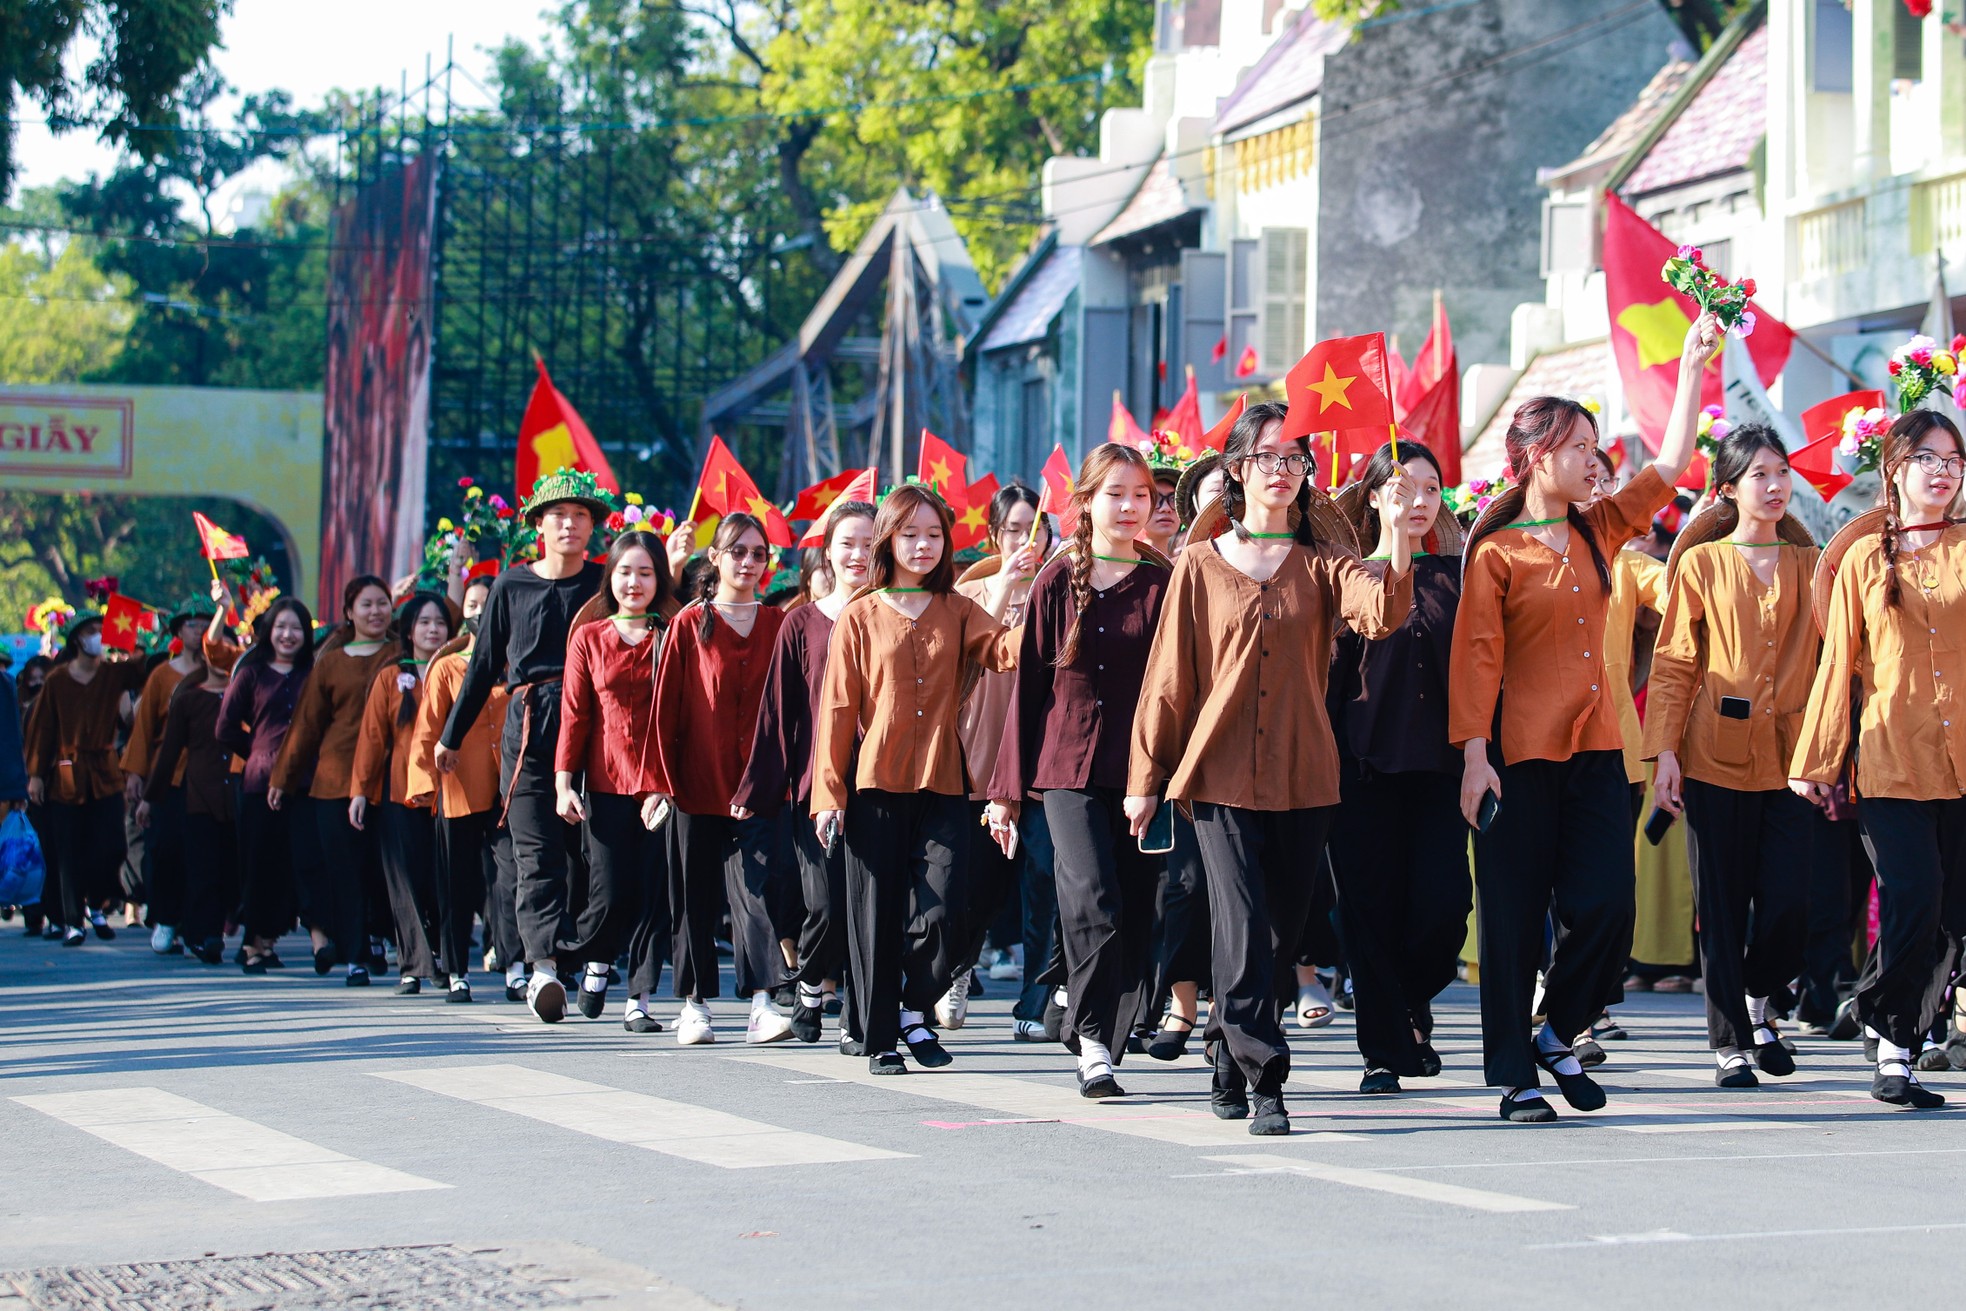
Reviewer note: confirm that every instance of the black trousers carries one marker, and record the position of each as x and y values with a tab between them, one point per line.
83	846
266	867
986	891
1561	840
335	880
1399	850
1318	943
620	863
649	941
905	855
822	881
723	862
1919	849
474	872
211	885
546	852
1750	857
1182	955
1106	892
163	860
1260	867
407	837
1839	891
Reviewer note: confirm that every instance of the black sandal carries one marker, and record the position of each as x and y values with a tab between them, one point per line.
927	1049
1171	1044
1579	1089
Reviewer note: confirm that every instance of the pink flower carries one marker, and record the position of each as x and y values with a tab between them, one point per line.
1712	411
1922	355
632	514
497	502
1720	429
1684	252
1959	393
1745	328
1849	445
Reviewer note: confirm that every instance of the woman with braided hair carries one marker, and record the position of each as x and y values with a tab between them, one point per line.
1546	793
1231	723
1895	618
1093	612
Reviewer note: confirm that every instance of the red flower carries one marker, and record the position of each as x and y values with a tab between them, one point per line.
1747	285
1959	343
1919	8
177	646
505	513
1892	368
616	523
1699	258
463	482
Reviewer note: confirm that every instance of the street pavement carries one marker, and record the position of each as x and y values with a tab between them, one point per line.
177	1135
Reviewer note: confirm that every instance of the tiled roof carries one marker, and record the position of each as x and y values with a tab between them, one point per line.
1028	316
1289	72
1160	199
1718	131
1574	371
1626	130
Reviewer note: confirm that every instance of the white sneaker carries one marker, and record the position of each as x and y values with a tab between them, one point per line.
1314	1006
546	997
952	1008
161	939
693	1025
767	1024
1005	968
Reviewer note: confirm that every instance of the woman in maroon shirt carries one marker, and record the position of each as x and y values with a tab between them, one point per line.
780	767
1091	621
706	709
603	768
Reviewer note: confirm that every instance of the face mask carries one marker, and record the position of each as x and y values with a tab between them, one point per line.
92	645
471	625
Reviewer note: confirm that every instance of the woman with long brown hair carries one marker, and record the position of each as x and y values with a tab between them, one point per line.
1894	618
1232	726
902	651
1547	795
1093	612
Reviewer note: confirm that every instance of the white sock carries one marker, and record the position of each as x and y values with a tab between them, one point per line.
457	979
1758	1009
1728	1058
1058	995
637	1005
354	968
515	974
810	996
1525	1094
1548	1042
761	1000
1094	1058
596	977
1890	1054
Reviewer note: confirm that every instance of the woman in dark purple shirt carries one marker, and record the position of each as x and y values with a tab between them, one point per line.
252	723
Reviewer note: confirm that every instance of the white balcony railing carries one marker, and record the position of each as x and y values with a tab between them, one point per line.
1938	214
1831	241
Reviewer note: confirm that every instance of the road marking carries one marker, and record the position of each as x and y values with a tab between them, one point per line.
1026	1101
258	1163
1674	1236
1706	1126
694	1133
1426	1190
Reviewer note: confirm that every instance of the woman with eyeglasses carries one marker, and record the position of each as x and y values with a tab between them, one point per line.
707	690
1547	795
1895	620
1232	726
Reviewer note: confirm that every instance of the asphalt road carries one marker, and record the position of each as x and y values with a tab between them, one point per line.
160	1111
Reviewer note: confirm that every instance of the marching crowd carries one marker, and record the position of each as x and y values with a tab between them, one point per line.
1212	732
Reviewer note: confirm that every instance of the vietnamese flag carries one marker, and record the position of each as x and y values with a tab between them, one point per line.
813	502
1339	384
1817	464
1825	419
859	486
1220	351
726	488
1120	429
553	436
1436	423
1218	437
214	543
1246	362
943	467
973	522
121	619
1649	322
1184	420
1056	498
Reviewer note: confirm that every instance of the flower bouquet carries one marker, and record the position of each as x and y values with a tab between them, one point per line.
1687	273
1712	431
1471	497
1921	367
1863	437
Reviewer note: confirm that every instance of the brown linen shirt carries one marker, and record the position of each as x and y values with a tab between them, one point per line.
1531	626
471	788
321	741
188	750
900	680
1912	738
980	725
70	735
147	724
384	745
1232	706
1726	635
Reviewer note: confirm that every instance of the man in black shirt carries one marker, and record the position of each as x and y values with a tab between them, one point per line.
522	639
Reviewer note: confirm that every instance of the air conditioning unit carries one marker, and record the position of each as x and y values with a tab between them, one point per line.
1267	275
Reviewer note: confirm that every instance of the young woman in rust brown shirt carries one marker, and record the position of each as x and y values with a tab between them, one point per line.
1896	620
1231	725
1730	677
1528	660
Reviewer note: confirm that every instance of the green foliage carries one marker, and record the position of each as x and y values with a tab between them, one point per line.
61	315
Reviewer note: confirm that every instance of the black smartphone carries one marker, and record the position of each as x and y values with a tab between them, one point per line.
1656	825
1491	806
1159	837
1735	707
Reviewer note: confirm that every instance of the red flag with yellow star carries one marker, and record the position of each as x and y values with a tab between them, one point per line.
1218	437
122	618
1649	322
214	543
553	436
1341	383
973	520
726	488
858	486
1056	498
942	467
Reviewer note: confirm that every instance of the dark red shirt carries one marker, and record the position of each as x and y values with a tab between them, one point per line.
706	706
1071	727
258	706
782	745
607	705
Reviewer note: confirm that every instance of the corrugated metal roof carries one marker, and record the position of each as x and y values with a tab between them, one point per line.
1574	371
1289	72
1718	131
1037	302
1160	199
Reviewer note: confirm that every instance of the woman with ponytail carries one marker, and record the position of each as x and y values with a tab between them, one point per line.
714	661
1894	619
1547	794
406	830
1730	677
1232	726
1093	612
780	766
605	772
314	770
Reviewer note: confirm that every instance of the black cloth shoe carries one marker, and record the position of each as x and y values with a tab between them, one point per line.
831	1007
1932	1058
358	977
1579	1089
851	1046
100	923
1527	1110
1846	1025
74	938
1379	1081
211	951
272	961
1429	1061
1170	1044
324	959
1228	1089
1902	1090
1270	1119
642	1022
1136	1043
459	992
253	965
1735	1076
886	1063
1774	1058
1588	1053
805	1023
1103	1086
927	1050
592	1004
409	987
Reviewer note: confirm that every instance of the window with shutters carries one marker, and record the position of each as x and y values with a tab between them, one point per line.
1267	276
1834	43
1907	45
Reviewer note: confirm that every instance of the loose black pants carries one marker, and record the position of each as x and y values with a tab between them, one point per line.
211	877
336	879
1839	892
546	854
1106	892
1399	851
1750	857
1182	952
162	860
407	837
84	847
822	881
620	863
1562	841
723	862
266	868
905	855
1919	849
1259	867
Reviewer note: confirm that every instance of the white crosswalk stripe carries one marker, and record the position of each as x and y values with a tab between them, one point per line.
694	1133
1380	1181
224	1150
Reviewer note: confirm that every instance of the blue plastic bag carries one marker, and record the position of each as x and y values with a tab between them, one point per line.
22	868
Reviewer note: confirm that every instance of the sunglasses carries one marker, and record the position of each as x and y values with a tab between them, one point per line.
743	553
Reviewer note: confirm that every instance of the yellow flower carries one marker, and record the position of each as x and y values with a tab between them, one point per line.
633	498
1944	362
473	493
1590	403
445	525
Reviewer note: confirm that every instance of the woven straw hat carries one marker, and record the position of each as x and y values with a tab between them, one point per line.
1328	522
1446	536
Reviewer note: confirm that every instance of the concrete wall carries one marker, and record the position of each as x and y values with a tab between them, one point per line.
1432	129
